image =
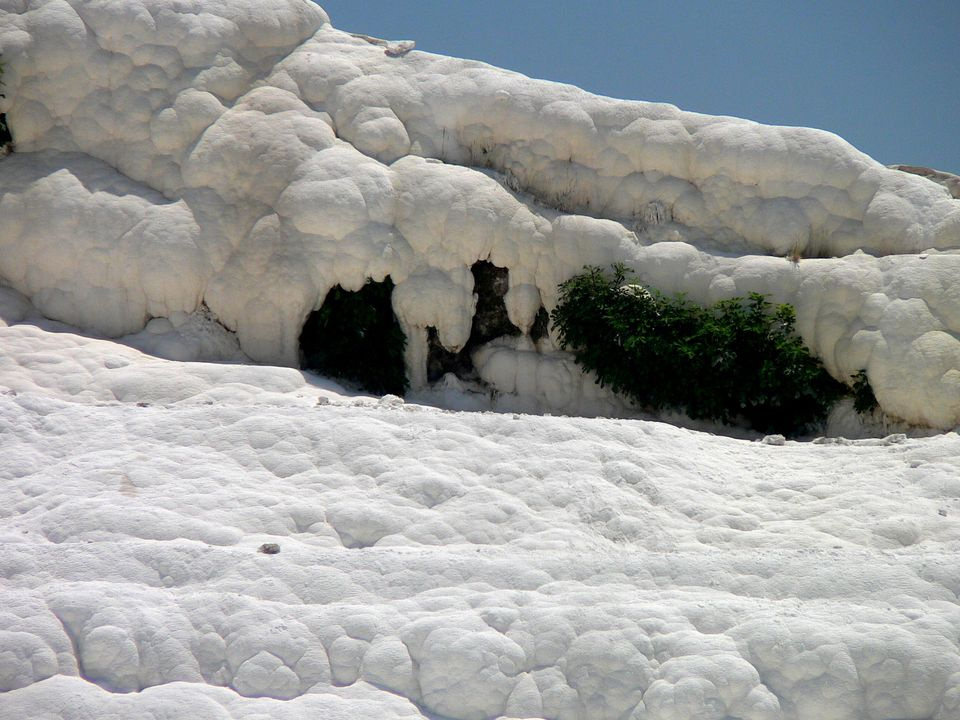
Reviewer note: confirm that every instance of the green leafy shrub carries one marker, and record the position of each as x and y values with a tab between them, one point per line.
355	336
738	361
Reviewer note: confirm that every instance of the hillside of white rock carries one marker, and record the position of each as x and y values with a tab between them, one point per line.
251	157
191	179
444	565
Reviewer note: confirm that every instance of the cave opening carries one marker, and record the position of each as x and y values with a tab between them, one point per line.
541	325
356	337
6	139
490	321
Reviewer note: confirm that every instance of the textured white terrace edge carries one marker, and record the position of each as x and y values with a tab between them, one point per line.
249	155
447	566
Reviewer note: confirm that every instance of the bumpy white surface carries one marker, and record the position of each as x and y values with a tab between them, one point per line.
447	565
291	157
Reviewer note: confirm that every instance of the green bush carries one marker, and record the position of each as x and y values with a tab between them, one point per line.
738	361
355	336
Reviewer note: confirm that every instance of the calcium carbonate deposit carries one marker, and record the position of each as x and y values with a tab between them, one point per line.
181	538
250	156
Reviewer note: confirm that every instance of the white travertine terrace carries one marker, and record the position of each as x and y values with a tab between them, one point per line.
250	156
180	162
465	566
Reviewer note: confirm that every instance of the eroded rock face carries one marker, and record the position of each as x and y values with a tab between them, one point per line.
950	181
250	156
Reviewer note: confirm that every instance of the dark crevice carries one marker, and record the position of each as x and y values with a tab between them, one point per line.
441	361
490	321
355	336
5	137
541	325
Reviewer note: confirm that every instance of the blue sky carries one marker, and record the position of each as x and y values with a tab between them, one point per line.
883	74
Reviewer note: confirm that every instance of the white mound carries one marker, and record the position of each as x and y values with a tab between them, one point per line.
447	565
184	540
249	156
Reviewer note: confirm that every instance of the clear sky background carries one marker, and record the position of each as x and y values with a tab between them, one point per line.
883	74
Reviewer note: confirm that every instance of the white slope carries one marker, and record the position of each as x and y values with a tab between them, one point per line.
249	156
435	564
181	163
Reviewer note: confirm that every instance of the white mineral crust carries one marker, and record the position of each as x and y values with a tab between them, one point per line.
194	177
250	156
458	565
